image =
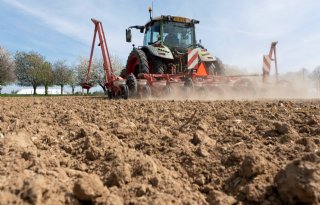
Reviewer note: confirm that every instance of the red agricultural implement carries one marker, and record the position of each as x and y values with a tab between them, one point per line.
171	59
166	63
115	86
284	85
267	59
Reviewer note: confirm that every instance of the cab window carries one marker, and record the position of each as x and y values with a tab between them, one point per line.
176	34
152	34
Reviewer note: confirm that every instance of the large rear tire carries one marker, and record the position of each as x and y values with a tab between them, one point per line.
137	63
157	65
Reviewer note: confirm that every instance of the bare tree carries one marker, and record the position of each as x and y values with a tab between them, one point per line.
100	72
47	76
7	67
82	71
97	72
117	64
316	77
29	67
73	80
62	74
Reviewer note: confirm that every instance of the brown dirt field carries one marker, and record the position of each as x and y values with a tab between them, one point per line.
82	150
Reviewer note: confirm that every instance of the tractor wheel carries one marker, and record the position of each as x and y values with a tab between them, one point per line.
137	63
210	68
132	84
124	92
219	67
158	67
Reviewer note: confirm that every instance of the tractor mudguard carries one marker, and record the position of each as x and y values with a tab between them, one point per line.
205	56
161	52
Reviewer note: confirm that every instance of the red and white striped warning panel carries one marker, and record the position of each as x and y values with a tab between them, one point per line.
193	58
266	63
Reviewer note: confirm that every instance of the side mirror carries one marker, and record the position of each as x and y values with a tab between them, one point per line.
128	35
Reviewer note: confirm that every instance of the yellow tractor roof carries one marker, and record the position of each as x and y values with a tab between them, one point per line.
173	18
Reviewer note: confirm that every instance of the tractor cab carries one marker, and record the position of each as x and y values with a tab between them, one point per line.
172	31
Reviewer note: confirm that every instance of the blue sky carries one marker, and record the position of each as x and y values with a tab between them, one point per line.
239	32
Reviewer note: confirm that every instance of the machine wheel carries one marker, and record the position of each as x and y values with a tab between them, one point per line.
210	68
188	83
189	87
132	84
110	95
203	92
137	63
124	92
219	68
146	92
123	73
167	90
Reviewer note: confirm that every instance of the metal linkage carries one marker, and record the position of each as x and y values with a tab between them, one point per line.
115	86
267	62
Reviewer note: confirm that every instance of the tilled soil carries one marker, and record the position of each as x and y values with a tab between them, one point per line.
82	150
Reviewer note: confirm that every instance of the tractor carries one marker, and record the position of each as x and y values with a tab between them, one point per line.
170	61
169	48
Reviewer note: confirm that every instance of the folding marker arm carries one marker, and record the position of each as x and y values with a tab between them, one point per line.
98	29
267	62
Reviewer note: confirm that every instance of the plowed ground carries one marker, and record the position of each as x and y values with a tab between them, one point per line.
82	150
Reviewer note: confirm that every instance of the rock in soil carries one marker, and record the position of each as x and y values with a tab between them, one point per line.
220	198
282	128
89	187
120	175
253	165
299	181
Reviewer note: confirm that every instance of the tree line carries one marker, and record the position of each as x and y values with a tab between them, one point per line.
32	69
